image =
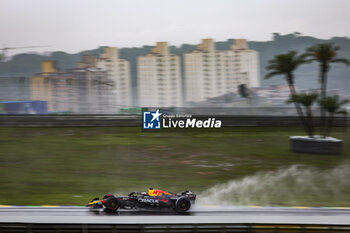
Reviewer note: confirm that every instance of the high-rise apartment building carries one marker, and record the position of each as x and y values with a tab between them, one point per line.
159	78
88	61
118	70
210	73
94	91
41	85
63	92
81	90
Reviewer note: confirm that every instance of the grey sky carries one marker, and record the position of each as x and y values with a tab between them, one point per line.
75	25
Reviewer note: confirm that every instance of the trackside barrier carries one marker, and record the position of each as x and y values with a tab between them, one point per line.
136	120
168	228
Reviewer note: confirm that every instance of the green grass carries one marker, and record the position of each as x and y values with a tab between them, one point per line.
70	166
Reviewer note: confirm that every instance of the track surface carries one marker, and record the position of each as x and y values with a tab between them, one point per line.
198	214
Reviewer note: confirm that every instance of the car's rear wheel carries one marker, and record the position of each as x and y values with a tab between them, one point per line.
182	204
112	204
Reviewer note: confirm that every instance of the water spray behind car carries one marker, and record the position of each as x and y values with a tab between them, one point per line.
296	185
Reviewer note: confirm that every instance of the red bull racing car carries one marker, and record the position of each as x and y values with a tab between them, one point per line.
154	199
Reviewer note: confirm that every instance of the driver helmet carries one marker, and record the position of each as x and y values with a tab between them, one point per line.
151	191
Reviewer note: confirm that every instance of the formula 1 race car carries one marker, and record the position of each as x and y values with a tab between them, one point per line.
154	199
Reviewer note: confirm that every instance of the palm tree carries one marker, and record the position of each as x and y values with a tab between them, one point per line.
286	64
332	105
306	100
325	54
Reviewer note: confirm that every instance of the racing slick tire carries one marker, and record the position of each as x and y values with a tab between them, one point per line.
112	203
182	204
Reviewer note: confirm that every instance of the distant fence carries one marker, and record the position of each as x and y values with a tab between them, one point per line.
168	228
136	120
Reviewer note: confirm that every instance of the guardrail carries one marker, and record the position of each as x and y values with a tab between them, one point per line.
136	120
168	228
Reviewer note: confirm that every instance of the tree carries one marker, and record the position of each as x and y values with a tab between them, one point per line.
325	54
286	64
333	105
306	100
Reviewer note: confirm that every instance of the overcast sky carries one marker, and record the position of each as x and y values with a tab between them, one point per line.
75	25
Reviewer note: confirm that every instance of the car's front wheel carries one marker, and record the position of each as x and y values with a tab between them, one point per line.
112	204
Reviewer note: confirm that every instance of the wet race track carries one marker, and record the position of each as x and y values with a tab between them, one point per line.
198	214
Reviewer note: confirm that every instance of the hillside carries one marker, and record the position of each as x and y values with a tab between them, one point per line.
339	77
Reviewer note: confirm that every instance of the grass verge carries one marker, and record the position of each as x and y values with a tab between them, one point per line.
70	166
